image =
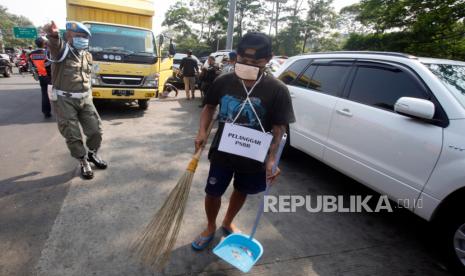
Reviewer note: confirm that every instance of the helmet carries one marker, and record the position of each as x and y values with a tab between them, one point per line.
40	41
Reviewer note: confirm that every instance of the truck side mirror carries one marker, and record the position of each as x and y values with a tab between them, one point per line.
161	39
172	49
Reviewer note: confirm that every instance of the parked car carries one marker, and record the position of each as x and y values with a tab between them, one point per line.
394	122
6	67
175	79
219	56
276	62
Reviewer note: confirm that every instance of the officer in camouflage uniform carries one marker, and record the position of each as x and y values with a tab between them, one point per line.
72	95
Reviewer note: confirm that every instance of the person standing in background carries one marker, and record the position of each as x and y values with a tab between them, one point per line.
229	67
41	67
207	76
189	69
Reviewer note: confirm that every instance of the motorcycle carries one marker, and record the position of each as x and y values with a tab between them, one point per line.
23	66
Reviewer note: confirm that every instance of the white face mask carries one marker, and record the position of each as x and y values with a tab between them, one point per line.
246	72
80	43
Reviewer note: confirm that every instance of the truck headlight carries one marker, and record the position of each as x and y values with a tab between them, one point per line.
151	80
95	79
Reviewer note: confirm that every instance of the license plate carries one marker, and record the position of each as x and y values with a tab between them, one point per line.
123	92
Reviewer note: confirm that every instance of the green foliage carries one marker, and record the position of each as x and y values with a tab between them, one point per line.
178	18
320	18
246	9
432	28
7	22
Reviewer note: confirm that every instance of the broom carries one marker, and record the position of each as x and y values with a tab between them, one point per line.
154	245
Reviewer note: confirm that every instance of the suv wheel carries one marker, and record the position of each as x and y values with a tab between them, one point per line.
143	104
452	230
457	234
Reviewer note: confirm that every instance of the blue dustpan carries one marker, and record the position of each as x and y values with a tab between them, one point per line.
244	251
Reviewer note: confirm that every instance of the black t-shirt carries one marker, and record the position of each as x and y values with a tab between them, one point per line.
271	101
189	66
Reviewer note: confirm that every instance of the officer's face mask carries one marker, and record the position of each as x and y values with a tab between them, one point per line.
80	43
246	72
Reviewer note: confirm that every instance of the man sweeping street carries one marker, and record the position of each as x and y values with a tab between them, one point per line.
250	100
72	95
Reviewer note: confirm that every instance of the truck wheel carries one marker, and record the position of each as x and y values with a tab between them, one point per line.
7	72
143	104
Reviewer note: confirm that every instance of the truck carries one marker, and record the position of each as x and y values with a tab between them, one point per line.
128	64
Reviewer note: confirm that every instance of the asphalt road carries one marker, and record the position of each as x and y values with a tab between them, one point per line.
54	223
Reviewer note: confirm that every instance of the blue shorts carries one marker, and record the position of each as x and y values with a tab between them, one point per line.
248	183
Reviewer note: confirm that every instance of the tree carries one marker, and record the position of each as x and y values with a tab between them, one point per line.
178	18
320	19
249	16
347	20
428	28
289	40
7	22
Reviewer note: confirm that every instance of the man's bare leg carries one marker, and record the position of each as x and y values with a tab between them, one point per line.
235	204
212	207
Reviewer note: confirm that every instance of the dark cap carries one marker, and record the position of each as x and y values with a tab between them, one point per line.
232	55
258	41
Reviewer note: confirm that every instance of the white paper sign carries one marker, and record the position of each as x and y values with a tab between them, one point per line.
244	141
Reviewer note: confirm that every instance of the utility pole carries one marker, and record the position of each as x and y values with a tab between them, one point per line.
229	38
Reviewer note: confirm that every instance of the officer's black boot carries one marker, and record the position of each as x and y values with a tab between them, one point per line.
86	170
99	163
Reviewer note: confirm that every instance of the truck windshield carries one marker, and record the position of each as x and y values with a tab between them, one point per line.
453	76
122	40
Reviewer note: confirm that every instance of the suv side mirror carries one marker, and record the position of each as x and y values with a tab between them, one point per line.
414	107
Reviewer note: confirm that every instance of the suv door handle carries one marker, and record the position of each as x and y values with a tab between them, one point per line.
292	95
345	112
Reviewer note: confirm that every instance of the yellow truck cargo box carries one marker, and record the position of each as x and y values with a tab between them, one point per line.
137	13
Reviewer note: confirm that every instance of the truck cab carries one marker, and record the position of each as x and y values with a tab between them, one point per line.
127	64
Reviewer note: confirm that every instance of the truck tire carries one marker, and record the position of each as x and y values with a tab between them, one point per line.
7	72
143	104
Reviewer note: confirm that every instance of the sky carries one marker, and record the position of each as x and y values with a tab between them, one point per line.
56	10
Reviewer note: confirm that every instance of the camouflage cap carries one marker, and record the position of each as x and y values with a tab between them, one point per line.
77	27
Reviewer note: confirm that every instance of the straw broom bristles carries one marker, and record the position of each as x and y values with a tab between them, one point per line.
154	245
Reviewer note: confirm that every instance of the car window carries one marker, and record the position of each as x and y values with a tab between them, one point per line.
383	86
327	78
291	73
305	79
453	76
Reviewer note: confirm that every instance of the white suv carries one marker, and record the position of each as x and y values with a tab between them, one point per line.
394	122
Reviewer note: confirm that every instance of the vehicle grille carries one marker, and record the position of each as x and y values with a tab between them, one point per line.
122	80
